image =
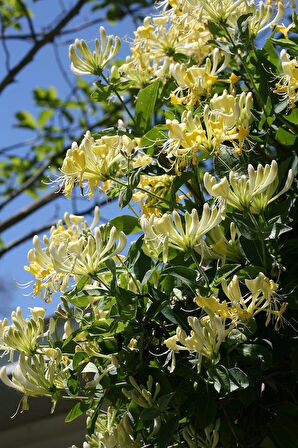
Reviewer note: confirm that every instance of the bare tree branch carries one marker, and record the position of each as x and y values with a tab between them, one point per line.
46	227
32	179
29	21
49	37
69	30
26	211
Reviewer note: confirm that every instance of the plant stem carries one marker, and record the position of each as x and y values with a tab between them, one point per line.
119	98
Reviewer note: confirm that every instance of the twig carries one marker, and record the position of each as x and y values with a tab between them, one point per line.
49	37
26	211
46	227
29	21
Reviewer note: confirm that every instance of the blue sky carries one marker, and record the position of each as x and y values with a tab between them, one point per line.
41	72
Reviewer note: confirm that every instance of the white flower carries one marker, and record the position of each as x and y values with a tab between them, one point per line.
93	63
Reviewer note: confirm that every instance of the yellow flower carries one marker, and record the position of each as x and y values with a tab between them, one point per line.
167	231
79	251
205	338
22	334
241	308
93	63
251	192
227	250
197	80
94	161
159	185
289	80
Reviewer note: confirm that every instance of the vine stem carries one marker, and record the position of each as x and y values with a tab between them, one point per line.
145	191
201	271
119	98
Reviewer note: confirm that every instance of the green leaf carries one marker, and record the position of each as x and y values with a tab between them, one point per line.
126	223
238	379
153	138
224	272
225	46
76	411
186	276
126	303
44	117
285	138
26	120
80	301
145	107
256	353
124	196
79	360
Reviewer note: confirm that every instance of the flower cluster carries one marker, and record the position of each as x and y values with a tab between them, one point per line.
165	232
252	192
71	252
22	334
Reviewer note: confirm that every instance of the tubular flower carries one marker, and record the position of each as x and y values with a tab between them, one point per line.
93	63
34	376
95	160
209	440
159	185
167	231
64	258
251	192
239	308
196	80
227	120
161	41
227	250
289	80
205	338
228	12
23	334
110	433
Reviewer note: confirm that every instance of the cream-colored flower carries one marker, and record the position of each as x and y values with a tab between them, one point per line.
34	376
288	83
251	192
227	250
93	63
205	338
80	251
197	80
167	231
22	334
94	161
240	308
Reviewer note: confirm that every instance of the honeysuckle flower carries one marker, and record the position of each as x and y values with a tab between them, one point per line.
158	185
197	80
288	83
110	432
93	63
34	376
206	336
70	258
262	19
22	334
227	250
167	231
94	161
143	396
252	192
241	308
210	438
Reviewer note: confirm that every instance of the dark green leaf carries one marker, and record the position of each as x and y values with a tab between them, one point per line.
76	411
145	107
126	223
